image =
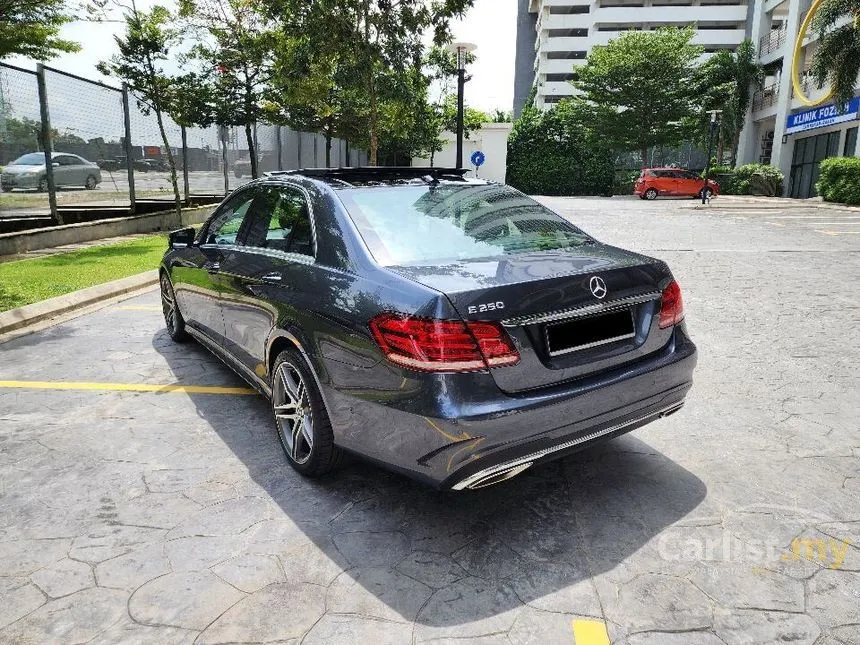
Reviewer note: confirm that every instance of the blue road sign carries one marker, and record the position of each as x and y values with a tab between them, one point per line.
478	158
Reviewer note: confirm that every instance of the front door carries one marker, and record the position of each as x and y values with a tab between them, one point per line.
198	282
261	277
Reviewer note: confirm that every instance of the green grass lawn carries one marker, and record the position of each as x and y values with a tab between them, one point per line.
26	281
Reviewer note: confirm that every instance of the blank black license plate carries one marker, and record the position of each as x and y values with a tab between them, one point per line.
582	333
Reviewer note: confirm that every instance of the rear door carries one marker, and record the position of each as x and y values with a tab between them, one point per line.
198	281
262	276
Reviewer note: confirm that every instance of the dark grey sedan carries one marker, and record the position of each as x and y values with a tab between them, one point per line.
455	331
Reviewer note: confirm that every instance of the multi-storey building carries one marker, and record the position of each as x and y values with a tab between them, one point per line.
555	36
564	31
780	129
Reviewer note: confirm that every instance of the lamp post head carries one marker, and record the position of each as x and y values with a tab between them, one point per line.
461	50
714	114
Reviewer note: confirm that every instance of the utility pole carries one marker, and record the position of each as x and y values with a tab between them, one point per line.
462	51
712	129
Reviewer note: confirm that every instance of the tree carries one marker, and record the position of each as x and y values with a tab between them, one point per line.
31	28
235	47
442	117
28	132
725	82
641	82
836	62
502	116
143	51
384	39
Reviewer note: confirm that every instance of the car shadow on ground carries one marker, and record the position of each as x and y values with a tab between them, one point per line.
445	559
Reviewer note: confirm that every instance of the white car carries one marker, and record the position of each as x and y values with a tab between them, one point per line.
28	171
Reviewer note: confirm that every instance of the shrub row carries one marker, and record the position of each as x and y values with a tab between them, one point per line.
551	153
751	179
839	180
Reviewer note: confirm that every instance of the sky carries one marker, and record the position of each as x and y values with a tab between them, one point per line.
490	24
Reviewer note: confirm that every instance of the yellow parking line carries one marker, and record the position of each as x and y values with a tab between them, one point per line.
140	308
590	632
125	387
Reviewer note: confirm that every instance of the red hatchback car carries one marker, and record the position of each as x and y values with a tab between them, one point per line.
672	182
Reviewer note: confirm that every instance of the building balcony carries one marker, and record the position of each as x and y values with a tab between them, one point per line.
772	43
765	97
670	15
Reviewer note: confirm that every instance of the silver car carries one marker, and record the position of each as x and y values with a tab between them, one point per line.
28	171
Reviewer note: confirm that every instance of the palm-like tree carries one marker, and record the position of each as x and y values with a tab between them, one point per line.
836	62
726	82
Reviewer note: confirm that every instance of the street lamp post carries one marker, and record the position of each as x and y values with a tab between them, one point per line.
712	128
461	50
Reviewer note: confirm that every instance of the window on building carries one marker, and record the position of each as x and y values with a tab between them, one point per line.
552	100
567	33
565	55
577	8
560	78
850	143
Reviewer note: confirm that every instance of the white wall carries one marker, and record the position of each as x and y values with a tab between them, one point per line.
491	139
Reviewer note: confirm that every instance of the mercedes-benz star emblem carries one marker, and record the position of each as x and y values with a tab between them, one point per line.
598	287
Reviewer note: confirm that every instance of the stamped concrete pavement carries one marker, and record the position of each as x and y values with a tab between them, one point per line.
134	513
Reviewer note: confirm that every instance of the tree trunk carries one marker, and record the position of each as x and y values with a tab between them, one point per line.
720	148
374	118
432	158
328	144
736	142
177	200
644	152
252	150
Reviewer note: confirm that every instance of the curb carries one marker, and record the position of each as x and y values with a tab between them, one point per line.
15	319
770	203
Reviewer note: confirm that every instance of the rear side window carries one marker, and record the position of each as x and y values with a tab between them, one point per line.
423	224
281	221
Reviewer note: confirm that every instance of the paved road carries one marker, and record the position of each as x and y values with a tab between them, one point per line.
131	515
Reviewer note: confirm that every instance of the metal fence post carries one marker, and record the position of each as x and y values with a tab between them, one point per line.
129	162
47	142
278	144
223	129
185	183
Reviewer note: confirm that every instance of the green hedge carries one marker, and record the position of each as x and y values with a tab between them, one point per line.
839	180
751	179
551	153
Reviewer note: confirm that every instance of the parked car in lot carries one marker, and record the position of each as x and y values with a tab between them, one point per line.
673	182
453	330
28	171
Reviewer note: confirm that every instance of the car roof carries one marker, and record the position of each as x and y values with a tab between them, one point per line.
370	176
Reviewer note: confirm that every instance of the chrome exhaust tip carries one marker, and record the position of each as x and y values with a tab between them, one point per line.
488	478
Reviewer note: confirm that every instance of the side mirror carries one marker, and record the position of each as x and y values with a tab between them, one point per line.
181	239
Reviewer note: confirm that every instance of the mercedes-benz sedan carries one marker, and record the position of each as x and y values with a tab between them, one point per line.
456	331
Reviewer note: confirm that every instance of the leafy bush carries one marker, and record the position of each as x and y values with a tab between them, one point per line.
839	180
552	153
751	179
624	180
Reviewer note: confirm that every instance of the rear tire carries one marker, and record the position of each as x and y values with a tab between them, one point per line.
173	319
650	194
301	418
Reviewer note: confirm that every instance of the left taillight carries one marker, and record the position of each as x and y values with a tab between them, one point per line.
671	306
433	345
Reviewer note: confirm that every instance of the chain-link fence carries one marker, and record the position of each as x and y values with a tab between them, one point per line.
109	152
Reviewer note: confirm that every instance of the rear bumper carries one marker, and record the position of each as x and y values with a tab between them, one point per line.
451	438
20	181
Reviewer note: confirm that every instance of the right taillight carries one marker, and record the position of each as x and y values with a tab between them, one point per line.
672	306
432	345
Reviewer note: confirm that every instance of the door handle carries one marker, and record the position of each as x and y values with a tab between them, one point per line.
212	267
271	278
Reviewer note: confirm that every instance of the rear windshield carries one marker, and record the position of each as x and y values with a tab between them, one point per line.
429	225
31	159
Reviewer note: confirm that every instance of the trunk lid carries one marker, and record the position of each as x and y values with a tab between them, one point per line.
544	295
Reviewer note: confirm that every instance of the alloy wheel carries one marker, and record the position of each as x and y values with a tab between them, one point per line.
293	413
168	303
651	194
90	183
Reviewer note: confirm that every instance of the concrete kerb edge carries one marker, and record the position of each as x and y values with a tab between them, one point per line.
28	315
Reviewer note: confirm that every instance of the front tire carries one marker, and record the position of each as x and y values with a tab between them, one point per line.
651	194
90	183
301	418
173	319
43	185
